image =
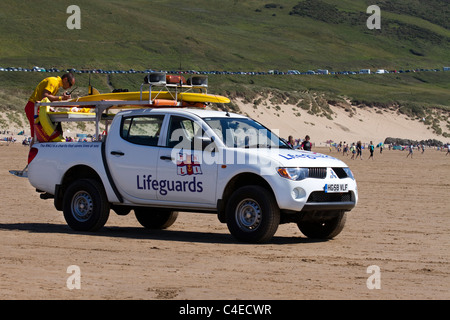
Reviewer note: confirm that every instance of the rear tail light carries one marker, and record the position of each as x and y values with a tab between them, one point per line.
32	154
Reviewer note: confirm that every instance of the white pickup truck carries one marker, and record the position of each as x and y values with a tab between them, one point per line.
157	162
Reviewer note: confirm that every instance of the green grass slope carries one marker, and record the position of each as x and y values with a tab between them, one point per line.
233	35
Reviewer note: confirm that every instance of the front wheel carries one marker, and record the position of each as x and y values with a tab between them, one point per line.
85	205
252	214
323	225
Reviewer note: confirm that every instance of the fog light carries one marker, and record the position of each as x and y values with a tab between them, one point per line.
298	193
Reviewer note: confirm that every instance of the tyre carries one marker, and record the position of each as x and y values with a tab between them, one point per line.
323	226
155	218
85	205
252	214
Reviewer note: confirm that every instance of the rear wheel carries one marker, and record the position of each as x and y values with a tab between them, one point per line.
155	218
252	214
85	205
322	225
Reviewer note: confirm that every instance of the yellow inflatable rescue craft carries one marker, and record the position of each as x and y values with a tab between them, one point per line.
44	129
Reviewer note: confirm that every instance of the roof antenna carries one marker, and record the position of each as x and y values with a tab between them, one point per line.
89	86
91	89
227	114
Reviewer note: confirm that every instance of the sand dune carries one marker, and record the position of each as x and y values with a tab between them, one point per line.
365	124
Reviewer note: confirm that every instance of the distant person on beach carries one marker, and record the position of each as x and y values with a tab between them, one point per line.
371	149
48	88
411	148
358	150
448	149
291	142
306	145
353	151
345	149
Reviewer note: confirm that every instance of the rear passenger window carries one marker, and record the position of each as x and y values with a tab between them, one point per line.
143	130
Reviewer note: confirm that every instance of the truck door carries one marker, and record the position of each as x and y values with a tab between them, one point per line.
133	156
183	174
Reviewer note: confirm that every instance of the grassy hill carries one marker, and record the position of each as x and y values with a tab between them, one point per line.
250	35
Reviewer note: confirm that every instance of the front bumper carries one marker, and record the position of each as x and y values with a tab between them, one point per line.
311	195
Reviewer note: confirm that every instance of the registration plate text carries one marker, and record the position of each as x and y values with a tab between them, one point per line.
336	187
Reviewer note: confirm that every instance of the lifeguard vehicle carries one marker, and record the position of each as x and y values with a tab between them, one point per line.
165	153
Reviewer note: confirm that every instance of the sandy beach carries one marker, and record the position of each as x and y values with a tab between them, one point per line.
401	225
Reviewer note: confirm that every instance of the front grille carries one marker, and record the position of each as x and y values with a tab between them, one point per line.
321	196
318	173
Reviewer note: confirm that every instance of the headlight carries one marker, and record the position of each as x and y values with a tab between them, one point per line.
293	173
349	173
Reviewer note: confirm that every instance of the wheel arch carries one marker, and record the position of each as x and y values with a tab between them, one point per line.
74	173
240	180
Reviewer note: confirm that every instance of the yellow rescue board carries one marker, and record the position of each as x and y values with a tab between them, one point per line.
133	96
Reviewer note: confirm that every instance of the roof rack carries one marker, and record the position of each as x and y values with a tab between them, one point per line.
159	79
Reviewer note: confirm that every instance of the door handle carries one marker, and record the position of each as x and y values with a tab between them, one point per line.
117	153
169	158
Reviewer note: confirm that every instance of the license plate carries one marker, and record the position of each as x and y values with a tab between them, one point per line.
336	187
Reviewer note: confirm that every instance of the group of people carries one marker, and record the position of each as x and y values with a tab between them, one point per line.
355	149
420	147
9	139
299	144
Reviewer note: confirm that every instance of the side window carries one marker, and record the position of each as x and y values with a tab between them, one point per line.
182	133
143	130
217	127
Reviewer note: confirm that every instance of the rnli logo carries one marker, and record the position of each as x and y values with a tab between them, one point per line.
188	164
333	174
